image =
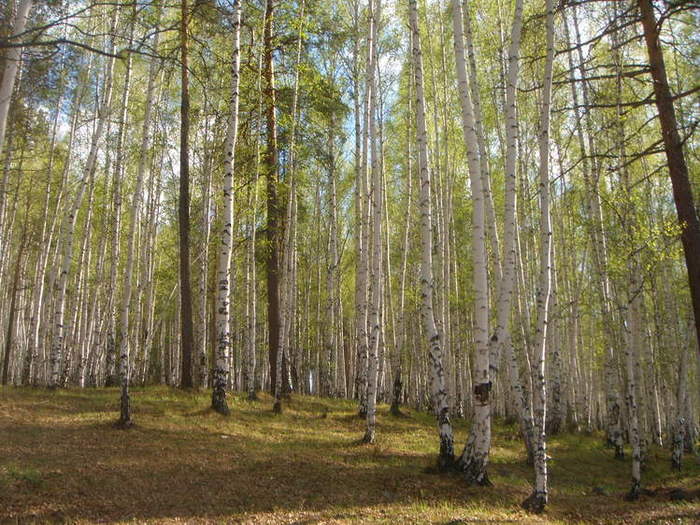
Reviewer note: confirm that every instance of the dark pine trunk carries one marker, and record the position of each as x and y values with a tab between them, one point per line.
187	337
13	312
677	167
273	204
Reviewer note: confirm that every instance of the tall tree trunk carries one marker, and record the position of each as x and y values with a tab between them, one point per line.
591	175
186	323
287	259
402	324
633	341
115	331
437	374
81	302
9	336
490	215
537	501
475	456
502	334
274	215
632	305
12	60
375	200
678	427
251	344
8	79
223	271
556	413
70	219
124	362
333	341
364	211
202	332
677	167
31	356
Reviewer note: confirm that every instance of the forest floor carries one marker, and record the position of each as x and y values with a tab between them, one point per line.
61	460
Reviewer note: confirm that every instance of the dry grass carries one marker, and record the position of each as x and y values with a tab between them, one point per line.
61	460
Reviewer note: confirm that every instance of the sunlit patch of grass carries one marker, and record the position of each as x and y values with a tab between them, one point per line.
12	472
184	462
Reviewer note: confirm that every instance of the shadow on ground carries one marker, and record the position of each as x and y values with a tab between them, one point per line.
63	461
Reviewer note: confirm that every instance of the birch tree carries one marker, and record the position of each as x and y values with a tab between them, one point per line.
69	221
12	61
375	203
363	210
131	252
502	337
223	279
537	501
475	456
7	83
437	379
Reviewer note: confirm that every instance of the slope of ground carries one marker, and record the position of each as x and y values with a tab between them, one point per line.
61	460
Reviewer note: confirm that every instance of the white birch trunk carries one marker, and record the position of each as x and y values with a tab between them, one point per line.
537	501
116	332
490	215
502	335
69	221
223	277
633	342
12	61
287	284
82	299
376	209
402	325
202	332
678	428
475	457
359	199
251	288
333	340
41	371
123	338
556	416
251	343
31	356
591	173
361	297
437	374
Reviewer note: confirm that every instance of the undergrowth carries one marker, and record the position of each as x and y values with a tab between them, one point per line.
62	460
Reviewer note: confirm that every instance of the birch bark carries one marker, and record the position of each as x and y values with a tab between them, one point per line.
537	501
69	221
202	332
223	291
251	343
361	292
402	325
678	427
124	362
474	459
375	201
12	60
437	374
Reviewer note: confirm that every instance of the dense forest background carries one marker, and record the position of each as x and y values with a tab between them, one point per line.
480	208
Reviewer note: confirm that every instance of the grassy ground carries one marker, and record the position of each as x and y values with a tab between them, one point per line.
61	460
